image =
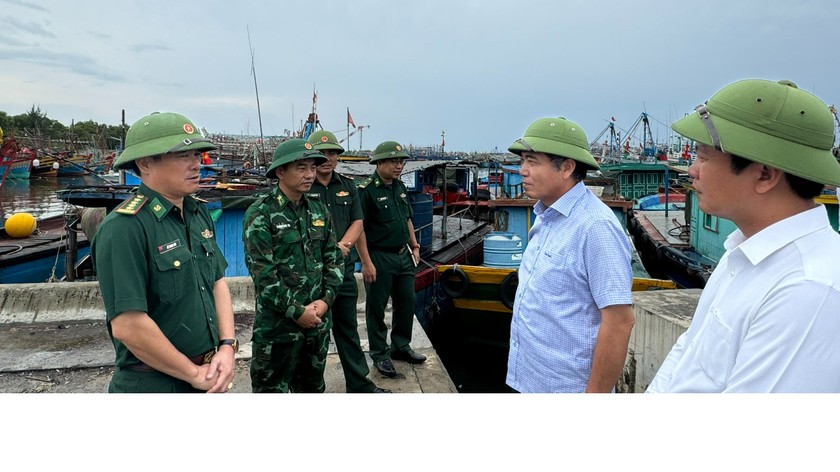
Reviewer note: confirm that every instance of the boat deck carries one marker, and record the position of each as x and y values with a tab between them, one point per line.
671	230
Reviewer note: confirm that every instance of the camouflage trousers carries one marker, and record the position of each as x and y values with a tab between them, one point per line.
295	366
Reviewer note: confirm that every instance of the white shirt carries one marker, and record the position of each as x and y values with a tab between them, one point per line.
768	320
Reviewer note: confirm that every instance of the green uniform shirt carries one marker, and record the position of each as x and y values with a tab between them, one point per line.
293	258
342	199
150	259
386	211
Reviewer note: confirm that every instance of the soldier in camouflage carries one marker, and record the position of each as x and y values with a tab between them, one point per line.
297	268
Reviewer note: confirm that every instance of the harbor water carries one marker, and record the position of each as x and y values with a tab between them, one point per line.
37	195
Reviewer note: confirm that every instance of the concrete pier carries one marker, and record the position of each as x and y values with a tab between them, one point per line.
48	327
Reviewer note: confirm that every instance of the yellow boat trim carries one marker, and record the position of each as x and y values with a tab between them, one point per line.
481	274
481	305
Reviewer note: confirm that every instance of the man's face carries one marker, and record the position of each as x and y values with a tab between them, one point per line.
174	175
390	169
719	189
541	180
296	178
326	169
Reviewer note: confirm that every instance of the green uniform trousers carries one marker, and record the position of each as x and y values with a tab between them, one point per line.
126	380
395	280
345	333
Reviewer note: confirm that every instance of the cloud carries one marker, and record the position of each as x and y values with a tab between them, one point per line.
31	27
71	62
26	4
148	48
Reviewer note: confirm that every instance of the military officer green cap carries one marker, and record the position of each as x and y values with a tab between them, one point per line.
161	133
324	141
557	136
774	123
294	150
389	150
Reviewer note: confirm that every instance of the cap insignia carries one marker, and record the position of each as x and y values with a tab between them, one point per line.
307	145
398	148
188	128
323	139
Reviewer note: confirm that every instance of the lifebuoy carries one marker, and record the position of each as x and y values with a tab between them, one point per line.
454	282
507	289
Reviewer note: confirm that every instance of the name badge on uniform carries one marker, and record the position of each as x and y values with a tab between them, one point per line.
283	226
164	248
381	199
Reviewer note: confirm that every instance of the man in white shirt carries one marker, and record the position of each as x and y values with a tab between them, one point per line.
768	320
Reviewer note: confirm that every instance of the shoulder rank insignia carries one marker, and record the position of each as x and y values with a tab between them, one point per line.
207	234
318	222
342	193
366	182
132	205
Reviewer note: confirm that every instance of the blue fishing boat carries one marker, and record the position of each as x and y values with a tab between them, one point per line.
43	255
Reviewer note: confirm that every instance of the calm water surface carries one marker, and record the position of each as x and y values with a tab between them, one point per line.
37	195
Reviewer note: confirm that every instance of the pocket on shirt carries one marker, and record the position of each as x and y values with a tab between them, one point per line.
385	211
715	350
174	272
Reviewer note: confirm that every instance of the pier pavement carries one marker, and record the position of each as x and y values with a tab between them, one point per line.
54	339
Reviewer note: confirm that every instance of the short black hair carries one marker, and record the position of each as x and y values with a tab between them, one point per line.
579	174
802	187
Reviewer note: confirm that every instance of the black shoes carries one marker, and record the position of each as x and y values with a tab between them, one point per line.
386	368
409	356
380	390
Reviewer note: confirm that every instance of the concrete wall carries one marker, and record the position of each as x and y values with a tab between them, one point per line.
79	301
661	317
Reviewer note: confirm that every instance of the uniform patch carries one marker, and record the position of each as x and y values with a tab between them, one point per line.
132	205
164	248
318	223
157	208
207	234
342	193
283	226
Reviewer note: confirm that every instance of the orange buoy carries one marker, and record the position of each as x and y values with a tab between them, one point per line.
21	225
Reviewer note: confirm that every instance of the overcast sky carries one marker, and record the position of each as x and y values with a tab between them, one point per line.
481	71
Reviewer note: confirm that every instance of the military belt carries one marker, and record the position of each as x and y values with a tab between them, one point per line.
393	250
197	360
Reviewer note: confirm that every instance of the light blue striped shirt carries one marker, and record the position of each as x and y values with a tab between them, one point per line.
577	262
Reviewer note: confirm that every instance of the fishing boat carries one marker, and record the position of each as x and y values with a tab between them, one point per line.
43	255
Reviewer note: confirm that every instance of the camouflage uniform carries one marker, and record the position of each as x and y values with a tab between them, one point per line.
293	258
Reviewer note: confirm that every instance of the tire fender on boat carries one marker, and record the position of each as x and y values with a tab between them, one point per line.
507	289
454	282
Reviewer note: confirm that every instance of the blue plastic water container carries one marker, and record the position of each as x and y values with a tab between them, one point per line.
502	249
421	207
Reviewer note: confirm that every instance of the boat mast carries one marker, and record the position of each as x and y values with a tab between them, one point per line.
257	162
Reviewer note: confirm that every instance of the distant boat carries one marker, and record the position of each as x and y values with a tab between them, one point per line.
40	257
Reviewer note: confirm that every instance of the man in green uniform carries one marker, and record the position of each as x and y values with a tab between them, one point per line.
160	270
389	252
340	195
297	268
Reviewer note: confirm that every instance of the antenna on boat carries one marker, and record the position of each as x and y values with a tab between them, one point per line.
256	90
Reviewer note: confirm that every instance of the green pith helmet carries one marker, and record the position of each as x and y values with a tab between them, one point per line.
324	141
557	136
774	123
389	150
161	133
294	150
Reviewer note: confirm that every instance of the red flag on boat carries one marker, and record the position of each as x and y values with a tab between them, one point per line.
613	118
350	119
314	97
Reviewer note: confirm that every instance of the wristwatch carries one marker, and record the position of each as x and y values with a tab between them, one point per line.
234	343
